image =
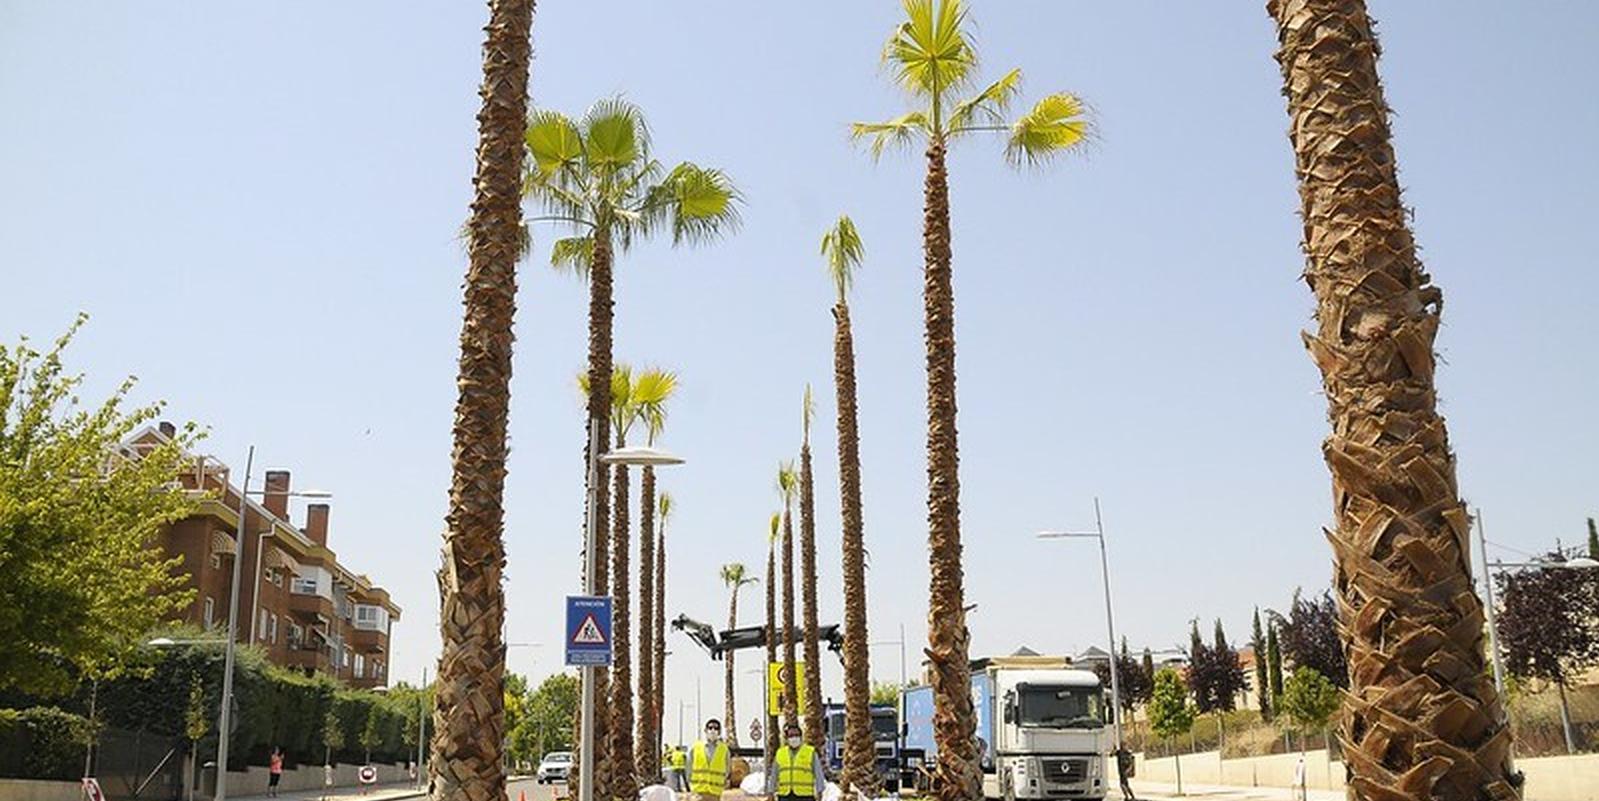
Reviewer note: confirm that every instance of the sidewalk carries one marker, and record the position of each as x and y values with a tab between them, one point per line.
1211	792
377	792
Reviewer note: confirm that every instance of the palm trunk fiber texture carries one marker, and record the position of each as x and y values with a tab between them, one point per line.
469	710
599	412
624	783
954	720
771	647
815	732
860	756
790	692
647	747
1421	718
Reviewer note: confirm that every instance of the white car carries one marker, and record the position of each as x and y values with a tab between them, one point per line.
554	767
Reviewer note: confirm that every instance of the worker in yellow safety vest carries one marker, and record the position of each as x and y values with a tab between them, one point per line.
796	774
676	767
709	764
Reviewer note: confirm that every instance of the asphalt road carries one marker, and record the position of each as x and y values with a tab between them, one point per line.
534	790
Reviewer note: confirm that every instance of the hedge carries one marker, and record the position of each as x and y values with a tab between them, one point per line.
42	743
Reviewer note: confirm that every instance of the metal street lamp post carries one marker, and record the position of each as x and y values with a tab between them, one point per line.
225	718
623	457
1110	621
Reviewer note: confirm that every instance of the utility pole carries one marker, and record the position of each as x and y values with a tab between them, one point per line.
225	721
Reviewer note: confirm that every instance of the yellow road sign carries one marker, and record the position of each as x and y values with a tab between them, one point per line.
776	680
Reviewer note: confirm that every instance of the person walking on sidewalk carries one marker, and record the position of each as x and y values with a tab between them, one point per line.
1300	790
796	773
274	771
709	764
1124	769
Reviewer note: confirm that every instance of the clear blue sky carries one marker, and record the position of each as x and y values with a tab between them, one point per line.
257	203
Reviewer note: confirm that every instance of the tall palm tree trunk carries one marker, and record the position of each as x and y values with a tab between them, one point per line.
814	732
1421	718
790	691
469	710
859	750
658	703
624	783
648	750
599	411
730	724
772	733
953	719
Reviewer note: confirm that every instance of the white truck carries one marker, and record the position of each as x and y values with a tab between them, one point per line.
1041	728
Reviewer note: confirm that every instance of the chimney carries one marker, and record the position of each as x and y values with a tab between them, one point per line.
316	523
276	499
167	429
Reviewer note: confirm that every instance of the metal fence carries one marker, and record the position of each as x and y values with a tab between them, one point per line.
139	765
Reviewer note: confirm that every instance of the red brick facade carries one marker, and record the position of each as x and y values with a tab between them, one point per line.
296	601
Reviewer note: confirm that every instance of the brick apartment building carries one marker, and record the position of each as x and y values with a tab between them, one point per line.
297	602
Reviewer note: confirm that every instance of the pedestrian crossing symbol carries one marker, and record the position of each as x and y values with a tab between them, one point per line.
588	630
588	633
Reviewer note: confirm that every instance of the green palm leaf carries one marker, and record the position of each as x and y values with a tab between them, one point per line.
1056	125
615	135
894	133
842	248
988	106
928	52
573	253
699	204
554	142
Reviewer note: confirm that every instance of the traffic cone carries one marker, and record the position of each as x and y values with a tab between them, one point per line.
521	795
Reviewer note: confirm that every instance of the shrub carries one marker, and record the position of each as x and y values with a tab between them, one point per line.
42	743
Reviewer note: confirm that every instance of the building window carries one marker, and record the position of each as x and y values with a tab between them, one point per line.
216	561
296	635
360	666
371	618
262	628
346	657
273	631
210	611
304	585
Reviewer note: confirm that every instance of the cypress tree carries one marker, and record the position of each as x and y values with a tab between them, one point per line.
1257	642
1274	657
1593	540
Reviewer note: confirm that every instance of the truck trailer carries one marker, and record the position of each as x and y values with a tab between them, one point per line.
1041	730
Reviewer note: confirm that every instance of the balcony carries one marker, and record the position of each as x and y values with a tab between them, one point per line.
311	607
311	656
369	641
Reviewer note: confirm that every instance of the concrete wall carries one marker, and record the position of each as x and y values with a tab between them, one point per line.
306	777
1573	778
34	790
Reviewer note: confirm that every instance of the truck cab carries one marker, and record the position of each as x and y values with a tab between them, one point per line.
885	742
1041	729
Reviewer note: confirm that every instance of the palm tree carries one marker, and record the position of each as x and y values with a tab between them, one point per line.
655	388
842	248
933	59
595	176
787	487
1421	718
469	709
658	699
814	732
735	576
771	630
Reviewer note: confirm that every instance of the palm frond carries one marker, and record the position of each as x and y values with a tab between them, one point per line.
1056	124
652	388
665	505
842	248
929	52
808	411
623	412
699	203
777	521
894	133
573	254
615	136
554	142
987	107
734	574
787	481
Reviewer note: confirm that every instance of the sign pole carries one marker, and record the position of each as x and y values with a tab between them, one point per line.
585	767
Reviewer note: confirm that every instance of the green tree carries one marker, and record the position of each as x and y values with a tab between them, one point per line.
1593	540
885	693
372	732
550	711
1274	662
1257	643
469	724
815	733
933	59
332	735
1171	713
735	576
79	585
787	488
1309	700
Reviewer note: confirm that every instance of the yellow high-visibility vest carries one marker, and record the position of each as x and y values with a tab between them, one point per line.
796	771
677	759
708	772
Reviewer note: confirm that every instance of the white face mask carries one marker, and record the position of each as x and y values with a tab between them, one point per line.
713	735
795	742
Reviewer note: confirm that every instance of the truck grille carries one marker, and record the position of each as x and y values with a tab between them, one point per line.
1065	771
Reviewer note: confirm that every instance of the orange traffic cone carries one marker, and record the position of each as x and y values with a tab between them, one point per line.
521	795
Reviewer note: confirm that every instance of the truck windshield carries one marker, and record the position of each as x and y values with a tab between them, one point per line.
886	727
1061	707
